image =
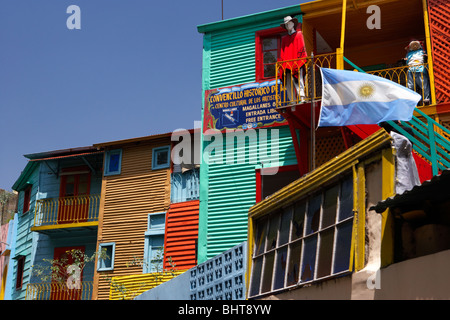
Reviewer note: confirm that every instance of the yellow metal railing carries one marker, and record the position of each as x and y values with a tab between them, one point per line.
65	210
406	77
56	291
290	71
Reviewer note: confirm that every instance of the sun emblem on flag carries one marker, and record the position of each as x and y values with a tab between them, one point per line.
366	90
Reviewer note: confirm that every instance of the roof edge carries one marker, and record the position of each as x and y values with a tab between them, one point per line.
321	175
251	18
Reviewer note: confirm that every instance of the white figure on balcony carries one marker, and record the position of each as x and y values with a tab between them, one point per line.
417	72
292	51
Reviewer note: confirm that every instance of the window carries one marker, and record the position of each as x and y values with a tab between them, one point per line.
106	261
20	270
161	157
26	199
268	45
113	162
269	183
307	241
154	242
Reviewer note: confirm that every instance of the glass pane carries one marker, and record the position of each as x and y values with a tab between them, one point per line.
330	206
270	57
269	43
256	276
309	258
343	244
260	236
294	263
284	227
280	268
162	157
157	221
269	71
346	199
114	162
325	253
297	221
313	215
267	272
70	189
274	224
70	179
105	261
82	188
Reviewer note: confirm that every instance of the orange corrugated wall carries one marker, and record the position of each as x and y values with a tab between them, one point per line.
439	16
181	235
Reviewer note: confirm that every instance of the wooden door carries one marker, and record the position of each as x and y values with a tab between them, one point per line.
74	195
66	283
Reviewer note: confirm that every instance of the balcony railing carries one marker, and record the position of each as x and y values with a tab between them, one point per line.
407	77
64	210
56	291
289	72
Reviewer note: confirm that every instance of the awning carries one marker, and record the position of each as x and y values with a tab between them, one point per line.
436	189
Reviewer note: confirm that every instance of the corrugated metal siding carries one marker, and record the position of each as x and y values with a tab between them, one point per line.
25	238
232	55
181	235
231	192
128	199
128	287
439	15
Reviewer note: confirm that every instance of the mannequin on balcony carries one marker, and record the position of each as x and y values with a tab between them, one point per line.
292	72
418	79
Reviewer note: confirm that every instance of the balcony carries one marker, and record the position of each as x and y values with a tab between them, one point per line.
56	291
287	92
66	212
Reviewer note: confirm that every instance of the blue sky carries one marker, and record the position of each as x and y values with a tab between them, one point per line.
133	69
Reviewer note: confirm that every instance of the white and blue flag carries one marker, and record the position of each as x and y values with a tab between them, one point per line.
350	97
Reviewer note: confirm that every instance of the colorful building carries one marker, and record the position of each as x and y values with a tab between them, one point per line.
148	216
59	197
318	238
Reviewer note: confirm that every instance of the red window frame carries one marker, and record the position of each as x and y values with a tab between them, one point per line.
20	270
258	178
259	52
26	199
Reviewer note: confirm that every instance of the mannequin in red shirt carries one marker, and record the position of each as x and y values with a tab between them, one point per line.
293	48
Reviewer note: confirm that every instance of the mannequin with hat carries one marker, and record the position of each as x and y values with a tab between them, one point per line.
293	48
417	77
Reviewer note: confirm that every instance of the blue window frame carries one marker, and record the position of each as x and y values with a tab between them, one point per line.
113	162
161	157
106	263
154	242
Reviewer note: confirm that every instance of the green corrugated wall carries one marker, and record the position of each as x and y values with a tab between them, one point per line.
232	191
228	191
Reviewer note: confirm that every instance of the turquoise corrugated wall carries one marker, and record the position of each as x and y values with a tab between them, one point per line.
228	191
232	191
25	240
233	55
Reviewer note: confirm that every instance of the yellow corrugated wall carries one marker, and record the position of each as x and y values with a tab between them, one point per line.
128	287
127	199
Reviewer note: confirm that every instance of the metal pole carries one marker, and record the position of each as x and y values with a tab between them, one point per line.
222	9
312	88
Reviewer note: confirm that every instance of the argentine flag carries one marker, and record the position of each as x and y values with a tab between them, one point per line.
350	97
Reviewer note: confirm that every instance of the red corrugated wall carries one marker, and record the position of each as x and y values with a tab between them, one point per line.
181	235
439	16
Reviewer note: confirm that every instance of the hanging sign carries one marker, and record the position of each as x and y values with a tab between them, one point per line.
244	107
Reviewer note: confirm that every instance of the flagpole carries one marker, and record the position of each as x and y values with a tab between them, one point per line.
313	116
